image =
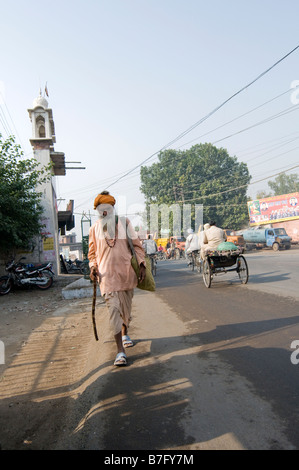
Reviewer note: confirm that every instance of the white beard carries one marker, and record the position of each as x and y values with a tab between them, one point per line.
107	223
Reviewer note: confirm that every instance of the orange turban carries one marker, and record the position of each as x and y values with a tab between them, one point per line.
104	199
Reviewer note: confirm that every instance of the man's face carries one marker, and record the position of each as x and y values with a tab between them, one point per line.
107	218
105	210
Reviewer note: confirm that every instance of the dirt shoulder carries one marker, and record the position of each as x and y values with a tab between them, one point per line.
39	330
23	310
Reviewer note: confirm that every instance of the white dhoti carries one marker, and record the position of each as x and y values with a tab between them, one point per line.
204	249
119	306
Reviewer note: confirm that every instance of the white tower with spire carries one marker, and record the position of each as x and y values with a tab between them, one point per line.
42	141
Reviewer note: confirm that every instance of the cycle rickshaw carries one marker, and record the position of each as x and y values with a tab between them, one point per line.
217	262
195	261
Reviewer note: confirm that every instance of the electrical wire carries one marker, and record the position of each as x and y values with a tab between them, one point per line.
134	172
264	121
8	130
236	118
263	143
193	186
187	188
122	176
241	186
187	131
4	122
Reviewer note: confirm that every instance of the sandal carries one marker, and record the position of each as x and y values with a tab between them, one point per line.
127	342
121	359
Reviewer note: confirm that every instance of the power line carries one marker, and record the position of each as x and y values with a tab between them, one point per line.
196	124
249	150
192	186
236	118
276	156
4	122
281	113
8	126
264	121
227	191
239	187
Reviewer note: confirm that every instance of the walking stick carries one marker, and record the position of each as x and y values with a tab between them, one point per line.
94	308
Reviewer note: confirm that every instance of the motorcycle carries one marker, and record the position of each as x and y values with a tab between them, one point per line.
72	267
22	275
81	265
48	267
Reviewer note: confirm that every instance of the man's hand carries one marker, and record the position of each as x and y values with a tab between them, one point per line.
94	273
142	273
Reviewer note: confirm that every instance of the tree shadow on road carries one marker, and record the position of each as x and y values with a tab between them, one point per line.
271	276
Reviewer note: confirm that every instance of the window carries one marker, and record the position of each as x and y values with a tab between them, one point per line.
40	124
41	131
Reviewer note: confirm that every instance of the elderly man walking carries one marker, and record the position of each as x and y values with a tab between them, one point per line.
110	262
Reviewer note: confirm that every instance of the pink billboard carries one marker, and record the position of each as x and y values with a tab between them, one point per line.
274	209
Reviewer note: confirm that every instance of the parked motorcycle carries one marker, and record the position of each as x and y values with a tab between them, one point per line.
80	265
22	275
74	267
48	266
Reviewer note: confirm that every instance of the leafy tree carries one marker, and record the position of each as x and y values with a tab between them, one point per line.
263	194
20	203
204	175
284	184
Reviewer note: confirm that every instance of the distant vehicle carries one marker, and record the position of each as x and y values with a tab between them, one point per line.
274	238
180	241
291	227
231	236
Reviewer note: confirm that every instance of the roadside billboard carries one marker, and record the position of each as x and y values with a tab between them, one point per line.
274	209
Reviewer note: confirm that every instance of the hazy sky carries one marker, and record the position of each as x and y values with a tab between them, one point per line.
126	77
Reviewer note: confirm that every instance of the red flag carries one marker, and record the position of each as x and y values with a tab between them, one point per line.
46	91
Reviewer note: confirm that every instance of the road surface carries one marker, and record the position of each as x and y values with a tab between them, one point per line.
210	368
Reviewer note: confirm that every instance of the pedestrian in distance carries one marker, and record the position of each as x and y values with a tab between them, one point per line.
110	264
192	244
150	246
151	250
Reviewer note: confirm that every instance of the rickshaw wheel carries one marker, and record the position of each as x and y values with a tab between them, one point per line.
206	273
242	269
